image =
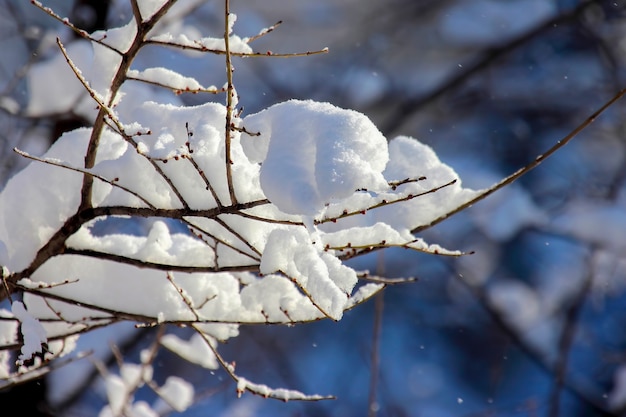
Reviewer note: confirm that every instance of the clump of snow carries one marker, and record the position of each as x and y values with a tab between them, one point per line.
320	275
313	153
33	333
279	393
176	393
65	93
45	195
195	350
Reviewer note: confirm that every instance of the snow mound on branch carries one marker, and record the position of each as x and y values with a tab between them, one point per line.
312	153
322	276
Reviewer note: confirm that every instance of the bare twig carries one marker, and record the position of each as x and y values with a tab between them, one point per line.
347	213
524	170
366	276
264	32
114	182
201	48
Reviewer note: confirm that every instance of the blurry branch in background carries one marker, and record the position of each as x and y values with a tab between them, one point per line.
566	339
555	367
379	305
406	107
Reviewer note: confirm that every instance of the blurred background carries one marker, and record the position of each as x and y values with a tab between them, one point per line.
532	324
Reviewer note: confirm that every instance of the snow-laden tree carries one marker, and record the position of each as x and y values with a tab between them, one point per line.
253	216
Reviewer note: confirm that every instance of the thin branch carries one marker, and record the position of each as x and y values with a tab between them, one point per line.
365	276
262	390
198	169
264	32
200	230
352	251
413	104
230	89
78	31
176	91
40	371
384	203
268	220
524	170
121	259
114	182
188	302
201	48
243	240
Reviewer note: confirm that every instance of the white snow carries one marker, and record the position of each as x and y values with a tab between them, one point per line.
235	43
195	350
319	274
280	393
33	333
168	78
147	8
313	153
176	393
